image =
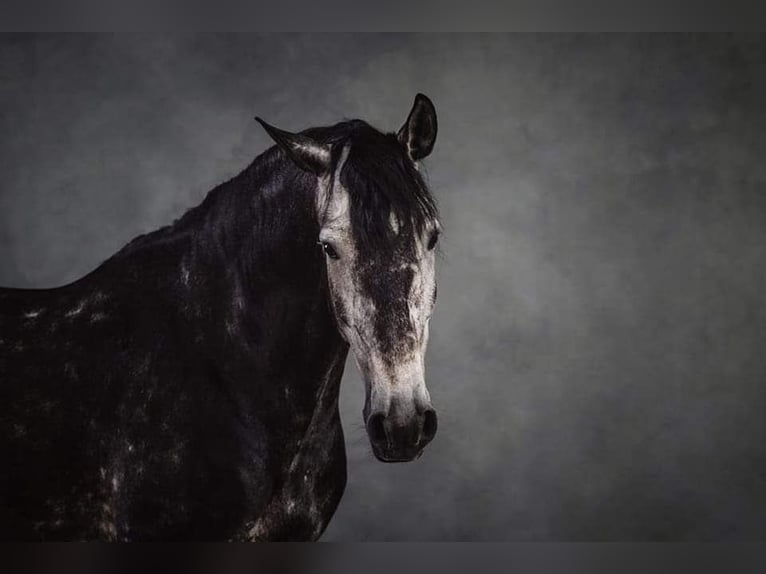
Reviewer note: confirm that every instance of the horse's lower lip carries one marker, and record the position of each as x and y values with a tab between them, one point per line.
407	458
391	460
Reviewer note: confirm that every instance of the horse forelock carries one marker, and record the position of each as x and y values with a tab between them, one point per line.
388	199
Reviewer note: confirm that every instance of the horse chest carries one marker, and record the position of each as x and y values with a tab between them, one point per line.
314	480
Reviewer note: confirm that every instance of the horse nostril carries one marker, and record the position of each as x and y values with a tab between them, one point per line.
375	428
429	425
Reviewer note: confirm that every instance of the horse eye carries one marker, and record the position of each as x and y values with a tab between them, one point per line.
433	240
330	250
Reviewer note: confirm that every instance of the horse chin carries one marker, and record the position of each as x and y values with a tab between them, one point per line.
394	457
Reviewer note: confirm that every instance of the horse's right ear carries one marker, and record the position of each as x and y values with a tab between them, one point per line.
307	153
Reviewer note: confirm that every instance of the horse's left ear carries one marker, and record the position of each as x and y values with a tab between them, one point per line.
307	153
418	134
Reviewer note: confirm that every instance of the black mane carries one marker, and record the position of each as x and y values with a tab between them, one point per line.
381	180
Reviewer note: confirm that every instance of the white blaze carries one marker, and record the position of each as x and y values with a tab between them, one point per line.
404	377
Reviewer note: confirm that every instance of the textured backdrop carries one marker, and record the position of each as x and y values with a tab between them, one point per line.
598	350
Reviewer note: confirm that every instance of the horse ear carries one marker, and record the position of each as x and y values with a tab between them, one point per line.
418	134
307	153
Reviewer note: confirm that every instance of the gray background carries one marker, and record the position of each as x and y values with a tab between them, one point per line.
597	352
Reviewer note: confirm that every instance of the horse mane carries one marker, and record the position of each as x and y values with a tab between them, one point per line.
379	176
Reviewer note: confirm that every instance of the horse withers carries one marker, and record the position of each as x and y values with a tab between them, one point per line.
188	387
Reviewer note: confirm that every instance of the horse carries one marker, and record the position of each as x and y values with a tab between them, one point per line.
187	388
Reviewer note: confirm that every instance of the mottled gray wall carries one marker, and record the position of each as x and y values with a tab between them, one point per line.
598	348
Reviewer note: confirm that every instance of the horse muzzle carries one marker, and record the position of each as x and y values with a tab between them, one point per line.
400	435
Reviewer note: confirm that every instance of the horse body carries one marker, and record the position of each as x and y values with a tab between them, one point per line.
176	392
188	387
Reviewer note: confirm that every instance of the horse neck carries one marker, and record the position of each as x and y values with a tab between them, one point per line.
245	270
256	253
